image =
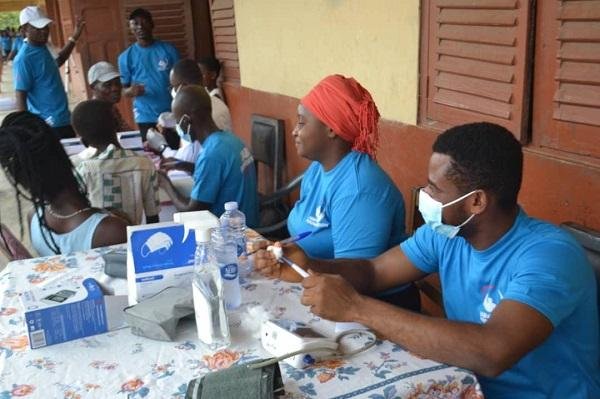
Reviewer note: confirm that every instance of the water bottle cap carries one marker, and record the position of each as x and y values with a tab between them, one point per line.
231	206
202	234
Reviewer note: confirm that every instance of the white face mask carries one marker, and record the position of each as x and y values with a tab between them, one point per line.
174	91
431	210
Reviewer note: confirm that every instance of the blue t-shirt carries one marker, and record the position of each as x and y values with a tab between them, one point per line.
151	66
225	172
6	43
17	43
35	72
354	210
537	264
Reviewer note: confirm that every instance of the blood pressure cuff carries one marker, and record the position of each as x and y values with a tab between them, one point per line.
157	317
238	381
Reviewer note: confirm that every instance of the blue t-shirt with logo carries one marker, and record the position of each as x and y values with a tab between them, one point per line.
35	72
151	66
537	264
225	172
354	210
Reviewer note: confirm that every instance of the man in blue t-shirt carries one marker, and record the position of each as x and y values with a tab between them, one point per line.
144	68
224	170
38	86
16	45
519	293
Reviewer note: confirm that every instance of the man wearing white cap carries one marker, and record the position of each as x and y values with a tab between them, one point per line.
105	81
38	86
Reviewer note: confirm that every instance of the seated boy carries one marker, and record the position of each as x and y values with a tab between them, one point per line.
224	170
115	178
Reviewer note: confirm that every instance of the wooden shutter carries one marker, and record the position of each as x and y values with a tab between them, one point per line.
567	77
477	63
225	38
172	22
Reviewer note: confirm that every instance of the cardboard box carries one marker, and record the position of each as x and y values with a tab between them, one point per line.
159	255
69	310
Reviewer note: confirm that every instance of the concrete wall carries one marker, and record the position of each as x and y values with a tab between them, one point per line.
286	47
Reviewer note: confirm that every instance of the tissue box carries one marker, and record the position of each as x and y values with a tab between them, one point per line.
69	310
159	255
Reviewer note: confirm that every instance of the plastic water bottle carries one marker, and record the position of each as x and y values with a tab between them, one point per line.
235	221
225	255
207	288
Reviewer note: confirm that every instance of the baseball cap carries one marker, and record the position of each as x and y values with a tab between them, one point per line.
102	71
32	15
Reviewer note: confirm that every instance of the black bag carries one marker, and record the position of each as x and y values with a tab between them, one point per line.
240	381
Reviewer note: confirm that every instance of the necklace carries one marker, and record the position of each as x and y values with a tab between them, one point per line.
70	215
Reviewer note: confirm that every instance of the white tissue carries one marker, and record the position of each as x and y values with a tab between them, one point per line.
277	251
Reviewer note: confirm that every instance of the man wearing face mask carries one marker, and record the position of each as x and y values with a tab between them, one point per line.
519	293
38	86
145	67
224	170
187	72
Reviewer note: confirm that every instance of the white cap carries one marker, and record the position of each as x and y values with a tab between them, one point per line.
166	119
102	72
231	206
33	16
202	235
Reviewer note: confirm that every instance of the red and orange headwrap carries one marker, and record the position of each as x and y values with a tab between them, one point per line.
348	109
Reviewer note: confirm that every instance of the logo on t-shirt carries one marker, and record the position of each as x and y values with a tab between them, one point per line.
491	299
318	219
163	64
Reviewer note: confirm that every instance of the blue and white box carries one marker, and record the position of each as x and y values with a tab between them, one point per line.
70	310
159	255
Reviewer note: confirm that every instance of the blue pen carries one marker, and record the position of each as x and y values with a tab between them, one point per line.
295	238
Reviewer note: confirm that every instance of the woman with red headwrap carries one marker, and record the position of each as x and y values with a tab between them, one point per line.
350	205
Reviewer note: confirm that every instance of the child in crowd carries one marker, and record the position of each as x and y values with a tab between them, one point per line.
211	68
116	178
37	166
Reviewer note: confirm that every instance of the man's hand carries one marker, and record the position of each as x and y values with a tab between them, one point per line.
79	24
169	163
330	296
135	90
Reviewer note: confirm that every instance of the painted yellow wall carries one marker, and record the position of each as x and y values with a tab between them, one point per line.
287	46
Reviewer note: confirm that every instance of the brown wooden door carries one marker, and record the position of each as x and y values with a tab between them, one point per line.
477	63
566	85
173	22
102	38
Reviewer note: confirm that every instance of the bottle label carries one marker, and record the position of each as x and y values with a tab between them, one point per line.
230	271
241	249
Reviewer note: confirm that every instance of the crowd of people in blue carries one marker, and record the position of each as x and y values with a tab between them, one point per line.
519	294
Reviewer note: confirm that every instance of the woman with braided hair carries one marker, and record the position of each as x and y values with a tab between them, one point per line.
37	166
350	205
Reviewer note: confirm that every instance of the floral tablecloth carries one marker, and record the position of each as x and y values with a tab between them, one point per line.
120	364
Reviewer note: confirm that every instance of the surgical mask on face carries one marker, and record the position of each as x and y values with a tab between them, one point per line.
174	91
184	134
431	210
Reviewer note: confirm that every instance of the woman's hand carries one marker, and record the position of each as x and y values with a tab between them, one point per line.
265	262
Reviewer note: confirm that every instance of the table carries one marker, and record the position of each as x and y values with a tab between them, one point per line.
120	364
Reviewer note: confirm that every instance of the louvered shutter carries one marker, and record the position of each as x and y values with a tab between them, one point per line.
567	84
172	22
477	63
225	38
